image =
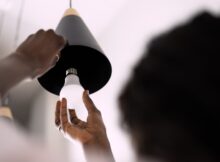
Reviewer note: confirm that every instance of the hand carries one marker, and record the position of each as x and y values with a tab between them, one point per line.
92	134
39	51
85	132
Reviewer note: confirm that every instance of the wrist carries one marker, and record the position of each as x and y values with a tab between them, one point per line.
98	150
25	64
98	143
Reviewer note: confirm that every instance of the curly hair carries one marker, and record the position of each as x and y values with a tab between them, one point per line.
171	103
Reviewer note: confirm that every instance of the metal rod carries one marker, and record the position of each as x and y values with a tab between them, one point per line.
70	3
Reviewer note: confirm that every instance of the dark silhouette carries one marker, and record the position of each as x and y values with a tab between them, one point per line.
171	104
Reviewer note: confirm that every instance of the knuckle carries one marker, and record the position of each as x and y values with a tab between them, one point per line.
30	36
57	122
64	114
40	31
64	122
50	31
61	41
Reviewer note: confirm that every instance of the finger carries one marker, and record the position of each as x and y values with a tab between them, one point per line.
39	32
30	37
55	60
90	106
50	31
57	114
63	115
61	42
74	119
66	127
40	35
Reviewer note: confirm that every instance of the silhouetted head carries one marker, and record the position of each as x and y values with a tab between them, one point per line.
171	104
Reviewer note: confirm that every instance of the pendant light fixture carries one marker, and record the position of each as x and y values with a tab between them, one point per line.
82	57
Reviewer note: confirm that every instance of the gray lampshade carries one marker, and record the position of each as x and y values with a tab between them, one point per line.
82	53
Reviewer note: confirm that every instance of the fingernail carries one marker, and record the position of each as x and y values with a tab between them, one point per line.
87	91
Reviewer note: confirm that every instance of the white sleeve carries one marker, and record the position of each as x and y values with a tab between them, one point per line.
16	146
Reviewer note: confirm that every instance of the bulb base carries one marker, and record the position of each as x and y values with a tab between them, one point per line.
71	71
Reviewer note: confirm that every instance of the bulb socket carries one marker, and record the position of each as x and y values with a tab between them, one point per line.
71	71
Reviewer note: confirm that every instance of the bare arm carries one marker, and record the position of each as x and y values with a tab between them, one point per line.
12	70
33	57
92	133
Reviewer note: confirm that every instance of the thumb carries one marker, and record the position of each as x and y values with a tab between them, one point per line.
90	106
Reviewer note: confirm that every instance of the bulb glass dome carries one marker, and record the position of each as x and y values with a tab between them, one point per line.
73	91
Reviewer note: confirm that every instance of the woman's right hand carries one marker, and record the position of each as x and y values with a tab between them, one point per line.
92	133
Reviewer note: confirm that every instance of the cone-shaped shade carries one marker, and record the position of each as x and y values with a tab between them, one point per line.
82	53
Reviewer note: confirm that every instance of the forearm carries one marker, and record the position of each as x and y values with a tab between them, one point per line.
13	69
98	151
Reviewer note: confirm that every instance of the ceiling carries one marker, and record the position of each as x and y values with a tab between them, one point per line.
122	28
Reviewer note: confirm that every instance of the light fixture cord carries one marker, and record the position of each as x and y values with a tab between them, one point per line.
70	3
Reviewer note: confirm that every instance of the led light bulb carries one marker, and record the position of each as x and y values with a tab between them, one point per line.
73	91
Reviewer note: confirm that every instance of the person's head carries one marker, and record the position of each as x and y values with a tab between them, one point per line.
171	104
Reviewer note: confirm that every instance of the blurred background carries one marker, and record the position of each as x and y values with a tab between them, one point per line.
122	27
